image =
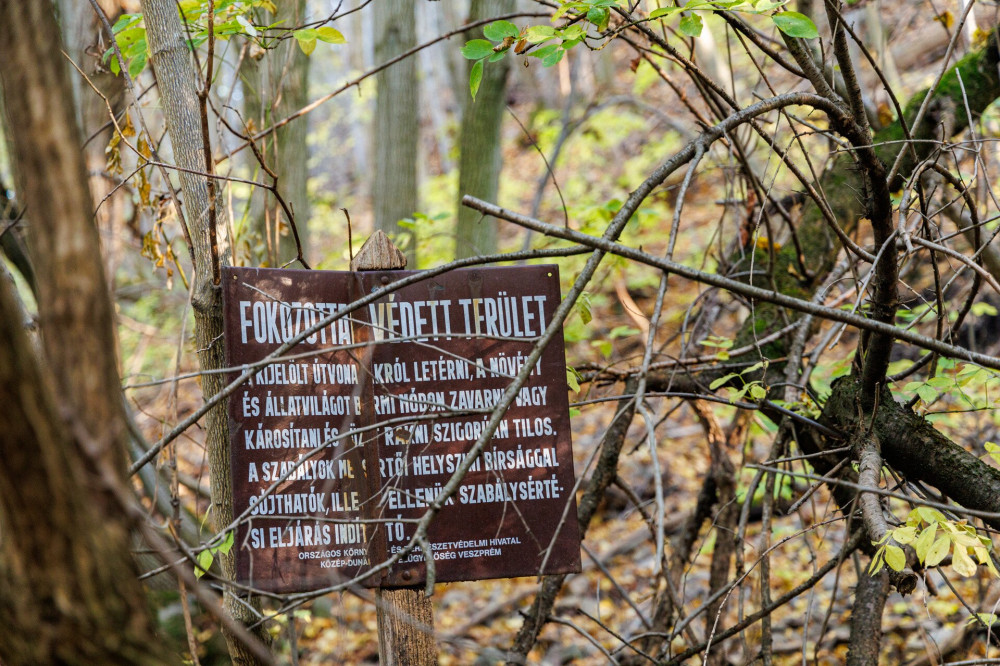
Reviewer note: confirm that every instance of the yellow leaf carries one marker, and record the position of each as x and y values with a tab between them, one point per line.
895	557
946	18
962	563
307	44
764	244
885	114
922	544
876	564
938	551
330	35
144	188
143	147
127	128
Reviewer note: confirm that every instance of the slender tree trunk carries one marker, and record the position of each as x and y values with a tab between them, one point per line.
479	145
176	80
397	123
69	591
83	32
274	87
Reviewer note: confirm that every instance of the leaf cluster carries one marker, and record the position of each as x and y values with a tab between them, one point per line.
550	43
933	537
229	18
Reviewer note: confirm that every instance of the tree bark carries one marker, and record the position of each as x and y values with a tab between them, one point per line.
69	591
866	619
274	87
83	34
176	80
397	123
479	144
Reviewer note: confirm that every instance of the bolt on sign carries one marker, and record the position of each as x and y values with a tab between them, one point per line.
341	444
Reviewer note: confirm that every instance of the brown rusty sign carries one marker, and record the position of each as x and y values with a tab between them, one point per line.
342	443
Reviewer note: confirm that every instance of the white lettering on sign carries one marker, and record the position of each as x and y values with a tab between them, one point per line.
275	322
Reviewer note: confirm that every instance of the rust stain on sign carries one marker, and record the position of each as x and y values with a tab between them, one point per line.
339	450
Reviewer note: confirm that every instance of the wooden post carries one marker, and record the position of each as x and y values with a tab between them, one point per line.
405	615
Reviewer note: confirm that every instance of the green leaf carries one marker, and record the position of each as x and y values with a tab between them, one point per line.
476	49
795	24
622	332
205	559
895	557
475	78
691	25
571	380
124	21
663	11
938	551
330	35
499	55
500	29
599	16
993	450
537	34
758	392
985	618
227	544
720	381
583	305
604	346
927	394
545	51
940	382
980	309
553	58
137	65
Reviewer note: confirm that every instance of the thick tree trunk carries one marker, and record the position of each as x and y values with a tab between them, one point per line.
397	123
866	619
273	88
69	591
479	144
176	81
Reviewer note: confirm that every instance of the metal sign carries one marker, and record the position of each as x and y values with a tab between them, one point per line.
339	446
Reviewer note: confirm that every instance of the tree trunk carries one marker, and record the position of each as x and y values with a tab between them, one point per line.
397	123
176	81
274	87
85	44
479	144
69	591
866	619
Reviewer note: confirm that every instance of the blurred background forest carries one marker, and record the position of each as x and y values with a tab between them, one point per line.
567	142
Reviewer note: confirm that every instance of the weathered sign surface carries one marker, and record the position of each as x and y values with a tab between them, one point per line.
340	446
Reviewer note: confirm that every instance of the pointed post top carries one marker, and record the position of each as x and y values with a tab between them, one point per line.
378	253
